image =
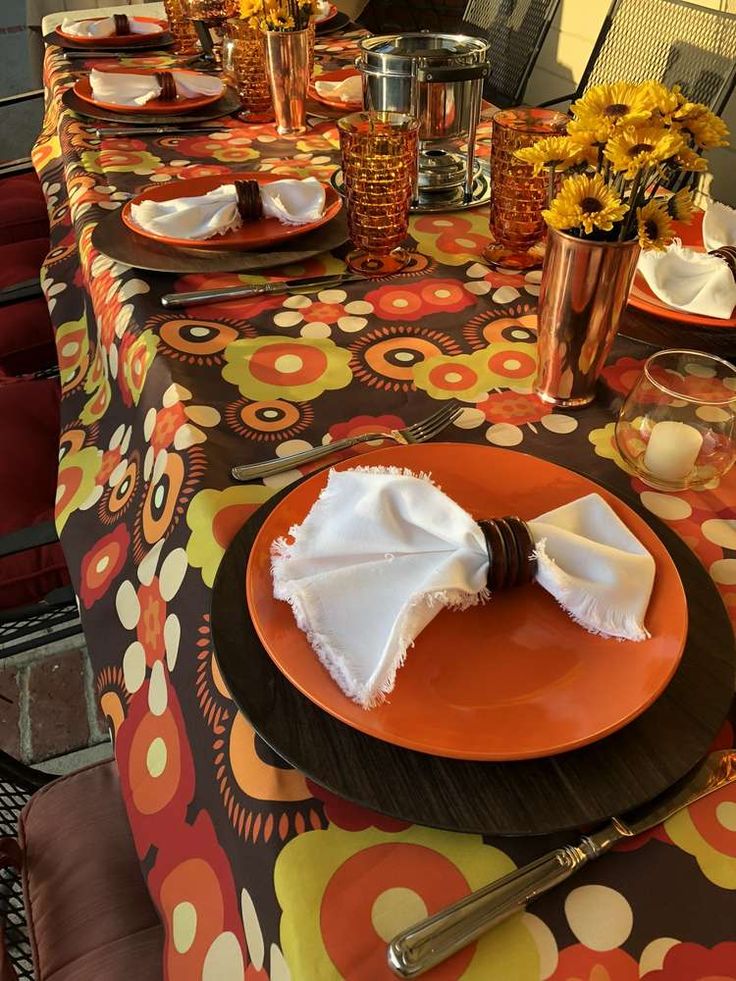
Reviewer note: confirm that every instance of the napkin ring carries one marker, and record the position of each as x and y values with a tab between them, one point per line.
122	24
250	205
168	86
511	560
728	254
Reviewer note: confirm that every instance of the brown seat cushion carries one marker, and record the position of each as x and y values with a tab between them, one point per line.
90	915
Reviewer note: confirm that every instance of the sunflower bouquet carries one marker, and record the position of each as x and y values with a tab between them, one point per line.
624	143
278	15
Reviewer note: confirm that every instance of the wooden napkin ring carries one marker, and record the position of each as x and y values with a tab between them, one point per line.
728	254
250	205
168	86
122	24
510	548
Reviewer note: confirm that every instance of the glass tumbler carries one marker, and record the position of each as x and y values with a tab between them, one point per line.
517	197
379	164
182	30
212	14
676	428
244	64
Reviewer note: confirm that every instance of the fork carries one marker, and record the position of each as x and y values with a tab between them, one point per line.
418	432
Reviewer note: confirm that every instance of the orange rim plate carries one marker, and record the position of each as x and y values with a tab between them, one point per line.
115	40
332	12
256	235
513	679
157	107
337	76
642	298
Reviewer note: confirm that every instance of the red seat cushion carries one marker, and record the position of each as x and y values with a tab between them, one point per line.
23	213
26	337
29	423
20	261
90	917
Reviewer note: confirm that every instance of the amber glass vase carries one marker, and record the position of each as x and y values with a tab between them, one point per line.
244	61
379	164
517	197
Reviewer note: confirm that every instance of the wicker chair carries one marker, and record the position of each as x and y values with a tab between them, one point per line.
673	41
515	31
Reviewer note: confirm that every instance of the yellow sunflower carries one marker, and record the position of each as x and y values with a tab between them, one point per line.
654	226
586	140
605	108
585	202
660	98
680	206
687	159
638	147
555	151
706	129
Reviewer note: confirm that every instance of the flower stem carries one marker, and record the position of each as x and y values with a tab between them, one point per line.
551	186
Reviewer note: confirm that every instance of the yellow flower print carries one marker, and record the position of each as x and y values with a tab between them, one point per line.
379	883
135	358
605	446
707	831
297	369
214	517
72	344
77	472
469	377
453	239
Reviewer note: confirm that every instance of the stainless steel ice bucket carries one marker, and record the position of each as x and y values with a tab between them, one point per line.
437	78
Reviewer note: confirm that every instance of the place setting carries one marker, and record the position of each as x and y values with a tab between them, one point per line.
225	223
114	34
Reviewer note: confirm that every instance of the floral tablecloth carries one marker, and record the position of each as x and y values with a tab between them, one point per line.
256	871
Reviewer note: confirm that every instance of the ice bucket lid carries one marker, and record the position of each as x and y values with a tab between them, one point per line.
399	54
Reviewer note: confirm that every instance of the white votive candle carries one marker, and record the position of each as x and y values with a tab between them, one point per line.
672	450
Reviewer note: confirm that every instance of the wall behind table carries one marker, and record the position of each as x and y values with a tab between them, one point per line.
565	54
19	125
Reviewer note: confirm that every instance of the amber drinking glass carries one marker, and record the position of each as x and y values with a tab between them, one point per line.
182	29
244	64
517	197
379	164
212	14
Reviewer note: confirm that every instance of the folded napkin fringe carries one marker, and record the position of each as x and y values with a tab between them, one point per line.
585	609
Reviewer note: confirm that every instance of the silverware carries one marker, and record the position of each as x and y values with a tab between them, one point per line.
154	130
418	432
428	943
170	300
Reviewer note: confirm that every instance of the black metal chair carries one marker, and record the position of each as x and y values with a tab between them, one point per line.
515	30
673	41
17	784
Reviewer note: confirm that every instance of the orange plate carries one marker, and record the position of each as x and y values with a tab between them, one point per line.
511	680
256	235
337	76
642	297
332	12
157	107
116	40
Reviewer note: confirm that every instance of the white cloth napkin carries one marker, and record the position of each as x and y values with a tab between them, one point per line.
695	281
383	551
105	27
349	89
293	202
123	89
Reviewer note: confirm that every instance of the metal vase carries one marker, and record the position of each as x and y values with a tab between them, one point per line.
583	294
287	61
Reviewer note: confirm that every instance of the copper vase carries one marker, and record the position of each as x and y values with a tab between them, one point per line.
583	294
287	60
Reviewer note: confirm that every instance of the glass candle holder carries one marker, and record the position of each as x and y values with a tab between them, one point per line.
676	428
244	64
212	15
379	164
517	197
182	30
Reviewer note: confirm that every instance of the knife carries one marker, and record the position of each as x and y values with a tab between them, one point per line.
433	940
155	130
170	300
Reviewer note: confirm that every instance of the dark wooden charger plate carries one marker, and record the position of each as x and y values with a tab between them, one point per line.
164	40
531	797
114	239
226	105
333	25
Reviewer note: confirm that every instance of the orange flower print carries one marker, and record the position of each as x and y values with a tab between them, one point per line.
413	301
